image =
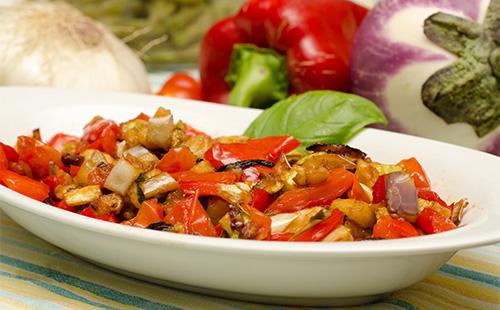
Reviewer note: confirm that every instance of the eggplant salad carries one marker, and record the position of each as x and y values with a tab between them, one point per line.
154	173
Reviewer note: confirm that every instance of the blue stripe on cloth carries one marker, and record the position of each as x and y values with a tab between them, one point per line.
94	288
470	274
399	303
34	302
56	289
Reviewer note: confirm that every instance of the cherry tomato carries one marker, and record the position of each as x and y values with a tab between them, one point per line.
181	85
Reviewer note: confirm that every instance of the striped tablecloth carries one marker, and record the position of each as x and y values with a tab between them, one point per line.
37	275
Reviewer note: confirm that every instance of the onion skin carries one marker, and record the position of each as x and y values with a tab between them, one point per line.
389	66
53	44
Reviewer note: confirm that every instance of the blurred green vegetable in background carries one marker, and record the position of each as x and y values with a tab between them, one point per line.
162	32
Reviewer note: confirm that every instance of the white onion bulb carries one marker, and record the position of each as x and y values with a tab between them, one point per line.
53	44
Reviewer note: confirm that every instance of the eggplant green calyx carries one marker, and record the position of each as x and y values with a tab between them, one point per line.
258	77
468	90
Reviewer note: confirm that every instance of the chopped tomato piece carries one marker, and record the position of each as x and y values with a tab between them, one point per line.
181	85
389	228
339	181
431	222
413	167
24	185
176	160
268	148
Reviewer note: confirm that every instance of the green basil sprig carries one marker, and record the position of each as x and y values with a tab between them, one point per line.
317	117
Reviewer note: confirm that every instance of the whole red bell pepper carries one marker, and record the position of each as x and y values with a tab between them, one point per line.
315	36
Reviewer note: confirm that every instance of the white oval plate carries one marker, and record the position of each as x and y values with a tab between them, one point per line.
275	272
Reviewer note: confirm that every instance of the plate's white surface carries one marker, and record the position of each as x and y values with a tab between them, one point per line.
296	273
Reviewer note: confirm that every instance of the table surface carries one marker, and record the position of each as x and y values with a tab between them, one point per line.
37	275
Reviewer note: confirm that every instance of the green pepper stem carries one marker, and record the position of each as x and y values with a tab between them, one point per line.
258	77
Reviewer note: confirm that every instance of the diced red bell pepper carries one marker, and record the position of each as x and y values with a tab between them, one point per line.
283	236
38	156
61	204
53	181
24	185
108	217
89	212
319	231
431	222
260	199
268	148
260	222
218	230
413	167
379	189
389	228
358	192
100	134
149	212
59	140
190	213
339	181
142	116
73	170
4	162
190	131
10	152
205	183
177	159
432	196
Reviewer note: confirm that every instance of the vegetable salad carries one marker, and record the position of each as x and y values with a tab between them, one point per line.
154	173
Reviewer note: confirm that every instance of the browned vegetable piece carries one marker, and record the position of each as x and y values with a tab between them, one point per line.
216	209
107	204
315	168
339	149
198	145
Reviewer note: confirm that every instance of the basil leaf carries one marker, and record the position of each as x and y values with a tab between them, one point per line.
317	117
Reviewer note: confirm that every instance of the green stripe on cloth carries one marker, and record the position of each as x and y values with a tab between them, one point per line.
58	290
94	288
472	275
